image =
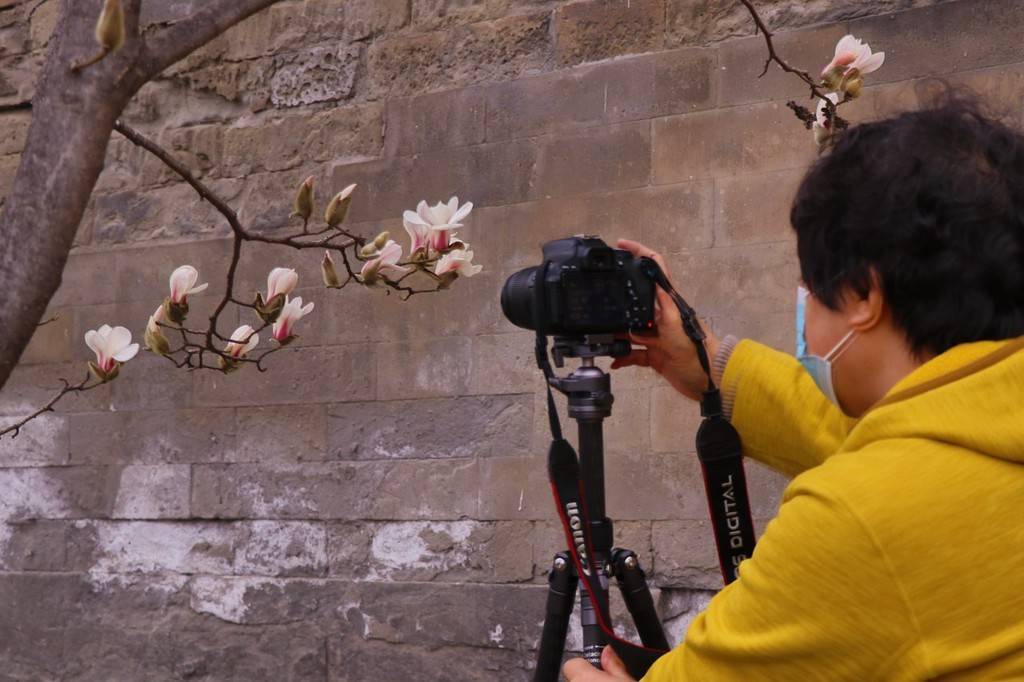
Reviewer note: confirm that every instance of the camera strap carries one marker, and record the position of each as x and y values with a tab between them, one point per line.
719	451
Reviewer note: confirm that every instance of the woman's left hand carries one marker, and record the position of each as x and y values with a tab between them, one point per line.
578	670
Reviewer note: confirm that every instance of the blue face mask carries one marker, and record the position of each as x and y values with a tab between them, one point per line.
820	368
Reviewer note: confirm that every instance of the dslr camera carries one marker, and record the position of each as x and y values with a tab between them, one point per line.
588	288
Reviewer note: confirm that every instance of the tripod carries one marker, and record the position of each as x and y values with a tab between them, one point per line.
590	401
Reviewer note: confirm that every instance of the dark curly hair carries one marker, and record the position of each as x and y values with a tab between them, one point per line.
932	202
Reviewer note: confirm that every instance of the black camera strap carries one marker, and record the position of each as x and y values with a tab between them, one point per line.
719	451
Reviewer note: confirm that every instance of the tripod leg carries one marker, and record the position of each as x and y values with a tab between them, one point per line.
637	595
562	582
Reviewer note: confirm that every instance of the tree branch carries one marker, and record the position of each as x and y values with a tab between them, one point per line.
812	84
84	385
173	42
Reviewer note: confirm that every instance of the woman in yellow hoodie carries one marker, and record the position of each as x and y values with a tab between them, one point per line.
898	549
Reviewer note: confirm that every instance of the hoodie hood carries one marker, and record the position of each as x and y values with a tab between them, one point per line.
971	396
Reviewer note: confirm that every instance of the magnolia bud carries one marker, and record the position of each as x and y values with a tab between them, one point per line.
304	199
832	78
369	250
175	312
102	376
337	209
226	365
821	135
156	341
110	26
328	272
381	240
370	274
852	86
268	310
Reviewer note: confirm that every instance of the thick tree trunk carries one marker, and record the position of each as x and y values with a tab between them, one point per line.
73	116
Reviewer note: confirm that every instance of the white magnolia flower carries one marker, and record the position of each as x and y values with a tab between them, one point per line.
281	281
434	225
243	340
386	263
112	345
183	282
292	312
459	261
851	53
820	116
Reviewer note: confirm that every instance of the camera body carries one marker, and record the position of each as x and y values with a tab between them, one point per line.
589	288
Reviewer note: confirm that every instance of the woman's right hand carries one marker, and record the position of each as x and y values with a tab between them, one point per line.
666	349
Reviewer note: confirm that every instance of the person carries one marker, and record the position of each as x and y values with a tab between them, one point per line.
898	549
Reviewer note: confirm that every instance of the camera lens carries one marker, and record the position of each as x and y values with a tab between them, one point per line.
517	297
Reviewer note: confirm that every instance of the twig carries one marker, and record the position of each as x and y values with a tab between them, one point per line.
80	387
46	322
816	91
16	106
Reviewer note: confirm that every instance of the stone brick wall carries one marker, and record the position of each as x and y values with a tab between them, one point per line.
374	507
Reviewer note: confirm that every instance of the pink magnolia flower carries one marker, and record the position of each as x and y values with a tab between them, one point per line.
112	345
242	341
434	225
852	53
292	312
281	281
459	261
183	282
386	263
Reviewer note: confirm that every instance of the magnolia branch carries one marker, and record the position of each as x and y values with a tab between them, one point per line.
815	88
200	346
84	385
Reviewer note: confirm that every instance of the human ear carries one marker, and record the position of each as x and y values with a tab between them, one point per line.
865	312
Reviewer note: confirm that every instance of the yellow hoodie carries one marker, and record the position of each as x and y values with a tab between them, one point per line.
898	549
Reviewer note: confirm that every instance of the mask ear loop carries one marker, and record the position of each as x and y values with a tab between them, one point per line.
841	347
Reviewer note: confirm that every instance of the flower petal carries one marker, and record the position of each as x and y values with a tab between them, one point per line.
872	63
462	212
127	353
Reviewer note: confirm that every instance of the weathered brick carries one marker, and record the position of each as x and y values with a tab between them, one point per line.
56	493
496	425
154	437
424	551
684	555
755	208
493	50
485	174
746	139
470	306
639	486
943	39
153	492
283	433
674	420
51	342
369	18
592	30
299	375
669	219
423	369
347	133
42	441
166	212
33	546
142	273
504	363
354	659
418	489
615	156
748	280
621	90
441	120
31	386
743	61
13	130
